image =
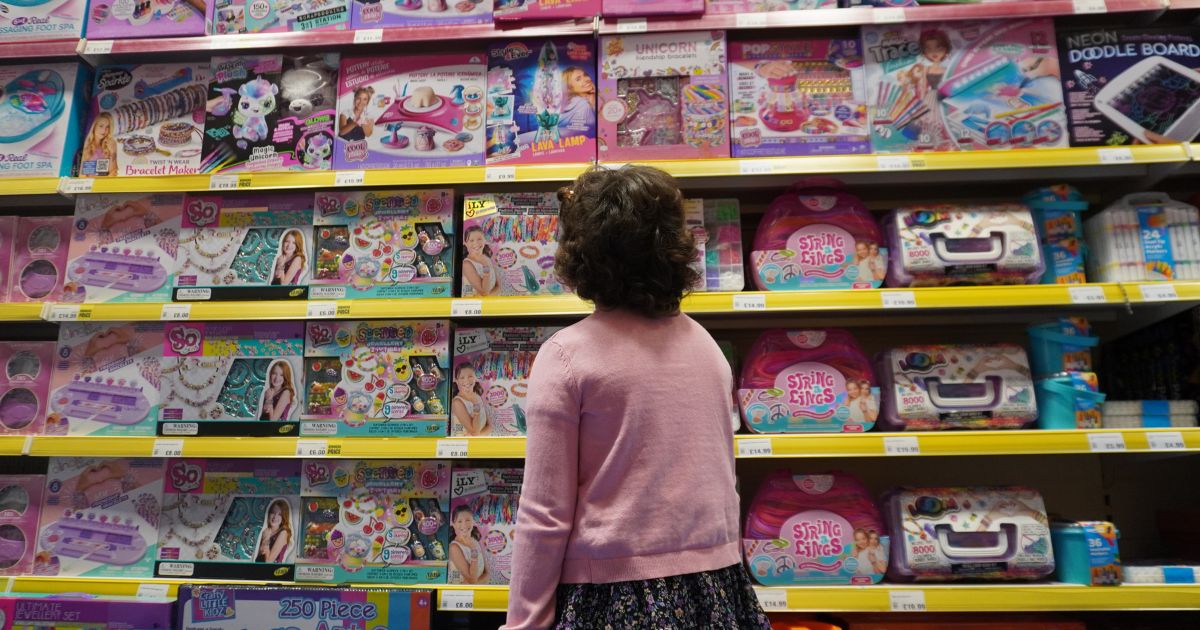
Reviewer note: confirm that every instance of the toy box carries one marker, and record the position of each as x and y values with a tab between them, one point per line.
651	7
1058	215
956	387
799	381
663	96
964	86
100	517
121	19
717	226
227	17
955	245
123	248
383	244
814	529
32	20
105	379
491	378
242	607
763	6
797	97
20	500
1085	552
245	247
8	233
411	111
818	237
231	378
374	521
483	515
145	120
39	259
519	10
1131	85
380	378
380	13
968	534
41	118
81	611
541	101
229	519
25	386
270	113
509	242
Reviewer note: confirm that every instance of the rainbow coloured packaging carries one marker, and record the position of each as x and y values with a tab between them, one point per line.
491	378
20	500
368	14
229	519
411	111
928	388
964	86
244	247
948	245
39	259
509	242
541	101
242	607
123	248
802	381
82	611
483	515
100	517
797	97
651	7
374	521
814	529
717	226
41	114
521	10
231	378
8	232
663	96
228	17
379	378
105	379
383	244
35	20
818	237
25	386
941	534
123	19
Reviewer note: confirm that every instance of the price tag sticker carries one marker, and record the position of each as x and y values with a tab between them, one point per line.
1158	292
755	167
757	447
902	445
62	313
1115	155
1090	6
750	302
899	299
456	600
907	601
175	312
635	25
153	591
752	20
167	448
887	15
349	178
466	308
321	310
451	449
368	36
97	47
76	185
312	448
772	598
499	174
1087	295
893	163
1166	441
226	182
1106	442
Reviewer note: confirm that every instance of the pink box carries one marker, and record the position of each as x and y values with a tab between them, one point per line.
514	10
381	13
24	385
39	259
122	19
652	7
20	501
483	515
8	230
663	97
765	6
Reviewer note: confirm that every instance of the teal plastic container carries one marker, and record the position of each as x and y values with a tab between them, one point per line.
1078	562
1048	345
1060	403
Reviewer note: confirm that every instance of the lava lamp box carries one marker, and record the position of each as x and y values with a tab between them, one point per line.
231	378
964	86
383	521
105	379
798	97
227	17
541	101
40	118
517	10
483	515
242	607
123	19
37	21
1131	85
491	378
509	242
229	519
383	244
81	611
39	258
20	500
411	111
383	13
100	517
24	386
380	378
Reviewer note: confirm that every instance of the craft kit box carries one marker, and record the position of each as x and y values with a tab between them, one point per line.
82	611
384	13
509	242
20	502
243	607
25	386
8	233
39	259
227	17
651	7
717	226
491	378
532	10
38	21
40	118
483	515
122	19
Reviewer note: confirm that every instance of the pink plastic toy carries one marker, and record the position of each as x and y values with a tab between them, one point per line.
20	499
24	385
808	381
39	259
831	527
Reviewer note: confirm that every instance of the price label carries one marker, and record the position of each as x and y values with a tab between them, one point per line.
451	449
321	310
175	312
907	601
902	445
466	308
167	448
750	302
635	25
312	448
456	600
500	174
887	16
1166	441
893	163
1115	155
75	185
62	313
1087	295
368	36
757	447
899	299
755	167
349	178
228	182
1090	6
97	47
752	20
28	445
1158	292
1106	442
772	599
152	591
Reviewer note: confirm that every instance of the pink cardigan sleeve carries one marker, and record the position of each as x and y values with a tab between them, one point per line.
547	508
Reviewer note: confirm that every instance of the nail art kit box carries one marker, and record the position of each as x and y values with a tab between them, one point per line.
123	19
25	386
228	17
385	13
242	607
20	500
43	21
100	517
491	378
483	515
229	519
231	378
509	242
519	10
40	118
374	521
39	259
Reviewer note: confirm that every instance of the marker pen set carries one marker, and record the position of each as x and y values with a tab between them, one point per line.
1144	236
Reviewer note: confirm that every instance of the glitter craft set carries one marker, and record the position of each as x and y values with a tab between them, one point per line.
491	378
123	248
483	515
509	242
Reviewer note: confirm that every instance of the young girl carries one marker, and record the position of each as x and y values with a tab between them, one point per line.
101	146
478	268
276	535
290	265
280	394
467	556
468	407
358	125
863	408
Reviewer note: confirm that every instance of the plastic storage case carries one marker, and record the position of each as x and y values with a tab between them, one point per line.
955	245
1086	553
717	224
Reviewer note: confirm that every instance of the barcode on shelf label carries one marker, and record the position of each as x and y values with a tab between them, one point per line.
466	308
752	20
312	448
97	47
62	313
902	445
456	600
1106	442
349	178
1087	295
750	302
1090	6
907	601
1166	441
451	449
757	447
772	599
887	16
1158	292
755	167
151	590
175	312
635	25
899	299
1115	155
228	182
180	428
167	448
500	174
321	310
75	185
368	36
893	163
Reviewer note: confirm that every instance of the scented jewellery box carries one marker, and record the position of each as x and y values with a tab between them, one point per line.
41	117
20	500
483	515
231	378
491	378
382	521
25	386
39	259
244	607
509	242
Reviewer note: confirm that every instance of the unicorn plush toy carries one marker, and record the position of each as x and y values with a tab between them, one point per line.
256	101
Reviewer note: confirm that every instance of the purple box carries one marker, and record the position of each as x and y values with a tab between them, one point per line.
39	259
124	19
652	7
228	17
515	10
25	385
241	607
380	13
20	502
86	612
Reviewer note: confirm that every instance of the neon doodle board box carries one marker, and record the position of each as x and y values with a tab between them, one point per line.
491	378
228	17
255	608
509	242
36	21
124	19
384	13
41	117
100	517
483	515
20	502
1131	85
78	611
381	521
229	519
383	244
378	379
25	386
520	10
231	378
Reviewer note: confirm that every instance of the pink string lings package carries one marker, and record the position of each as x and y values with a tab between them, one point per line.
799	381
39	259
968	533
814	529
25	386
491	378
20	500
483	515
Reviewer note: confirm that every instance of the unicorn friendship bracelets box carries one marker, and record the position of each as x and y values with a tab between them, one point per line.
37	21
123	248
229	519
483	515
242	607
227	17
40	118
380	378
105	379
122	19
509	242
231	378
383	244
374	521
491	378
100	517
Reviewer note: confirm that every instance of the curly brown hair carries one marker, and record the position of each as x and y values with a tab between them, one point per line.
622	240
